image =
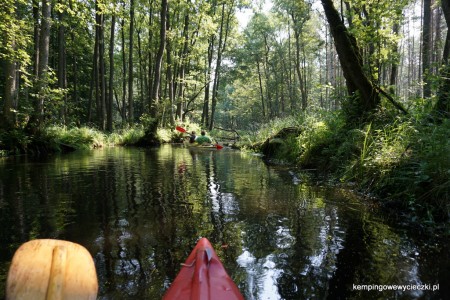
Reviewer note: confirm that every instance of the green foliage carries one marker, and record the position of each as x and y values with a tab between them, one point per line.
317	133
15	34
165	135
126	136
371	24
412	160
406	161
14	141
271	128
79	138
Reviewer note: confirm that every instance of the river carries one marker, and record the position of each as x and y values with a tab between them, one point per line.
139	212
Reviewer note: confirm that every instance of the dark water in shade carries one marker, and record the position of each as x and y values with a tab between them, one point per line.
140	212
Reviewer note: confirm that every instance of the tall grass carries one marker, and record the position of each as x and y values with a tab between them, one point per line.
126	136
76	137
406	162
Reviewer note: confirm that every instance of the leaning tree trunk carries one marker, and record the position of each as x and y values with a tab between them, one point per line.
364	97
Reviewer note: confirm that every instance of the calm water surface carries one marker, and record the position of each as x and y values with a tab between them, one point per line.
140	212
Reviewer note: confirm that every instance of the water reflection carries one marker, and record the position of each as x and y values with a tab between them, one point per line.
140	211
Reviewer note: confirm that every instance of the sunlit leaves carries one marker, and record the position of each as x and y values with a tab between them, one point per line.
372	23
15	33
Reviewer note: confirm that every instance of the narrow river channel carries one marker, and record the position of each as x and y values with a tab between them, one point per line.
139	212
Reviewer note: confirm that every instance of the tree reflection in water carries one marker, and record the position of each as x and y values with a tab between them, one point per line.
141	211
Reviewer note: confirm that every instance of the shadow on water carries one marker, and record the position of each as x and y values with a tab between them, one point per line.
140	212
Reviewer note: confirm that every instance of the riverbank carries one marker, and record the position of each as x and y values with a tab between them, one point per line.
403	161
55	139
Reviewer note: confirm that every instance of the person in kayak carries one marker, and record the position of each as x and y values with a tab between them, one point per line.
192	137
203	139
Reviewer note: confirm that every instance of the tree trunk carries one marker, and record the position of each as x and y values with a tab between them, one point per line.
170	78
269	106
261	91
446	10
205	113
364	97
142	70
217	70
36	37
62	77
124	72
223	35
101	109
130	67
394	66
10	92
158	60
44	50
181	74
426	48
109	115
147	104
299	71
442	107
94	77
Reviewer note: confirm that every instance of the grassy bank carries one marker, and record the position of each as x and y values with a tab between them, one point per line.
62	138
58	138
404	161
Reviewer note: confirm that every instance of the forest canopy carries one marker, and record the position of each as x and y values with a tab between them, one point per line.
107	63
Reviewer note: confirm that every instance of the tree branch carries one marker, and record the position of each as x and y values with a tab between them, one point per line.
392	100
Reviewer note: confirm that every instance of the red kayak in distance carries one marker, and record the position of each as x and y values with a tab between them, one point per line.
203	277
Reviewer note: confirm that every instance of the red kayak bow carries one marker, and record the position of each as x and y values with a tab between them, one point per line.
203	277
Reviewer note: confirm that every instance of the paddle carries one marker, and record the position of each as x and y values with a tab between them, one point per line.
181	129
51	269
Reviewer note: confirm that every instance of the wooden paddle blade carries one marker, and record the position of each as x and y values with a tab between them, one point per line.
180	129
51	269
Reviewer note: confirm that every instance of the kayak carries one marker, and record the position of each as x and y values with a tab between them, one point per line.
216	146
203	276
203	147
